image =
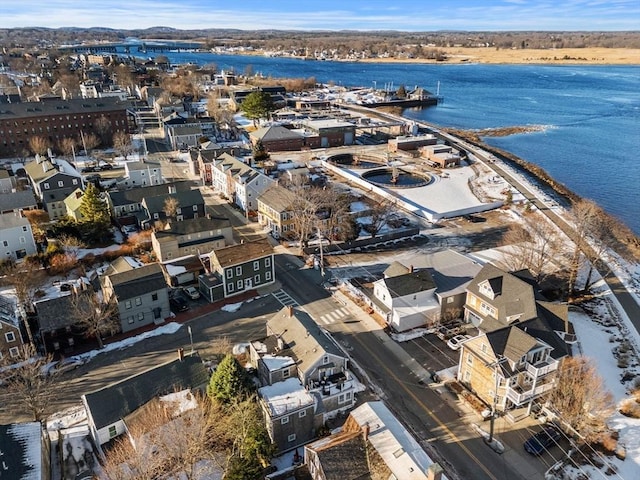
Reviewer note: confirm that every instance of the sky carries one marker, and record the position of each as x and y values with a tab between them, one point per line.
406	15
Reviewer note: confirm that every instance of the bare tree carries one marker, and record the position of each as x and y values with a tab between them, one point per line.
27	278
39	145
72	246
379	215
304	206
161	442
95	316
580	397
122	143
67	146
171	206
90	142
102	126
31	389
533	245
38	220
592	229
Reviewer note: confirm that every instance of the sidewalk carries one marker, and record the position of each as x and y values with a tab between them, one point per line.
466	413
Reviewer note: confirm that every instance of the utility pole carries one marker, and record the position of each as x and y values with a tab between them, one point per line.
321	253
495	366
190	336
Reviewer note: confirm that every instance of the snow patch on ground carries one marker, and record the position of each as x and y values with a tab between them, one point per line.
232	307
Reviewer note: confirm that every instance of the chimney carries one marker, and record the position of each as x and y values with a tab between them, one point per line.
290	310
410	268
180	354
365	432
434	472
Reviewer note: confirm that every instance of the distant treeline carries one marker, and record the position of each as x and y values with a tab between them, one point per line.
417	44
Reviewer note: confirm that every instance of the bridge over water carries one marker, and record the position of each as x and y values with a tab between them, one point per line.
143	46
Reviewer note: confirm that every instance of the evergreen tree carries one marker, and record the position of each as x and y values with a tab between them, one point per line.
257	105
93	207
95	222
259	152
229	382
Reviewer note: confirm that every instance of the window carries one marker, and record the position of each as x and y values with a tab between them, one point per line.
195	208
302	413
154	297
239	284
140	316
286	373
256	266
325	360
14	351
138	301
267	262
24	228
229	273
284	420
46	186
469	359
157	312
341	398
130	319
291	437
74	181
10	336
239	270
256	279
127	304
483	347
449	299
5	243
267	276
61	183
230	287
467	376
112	431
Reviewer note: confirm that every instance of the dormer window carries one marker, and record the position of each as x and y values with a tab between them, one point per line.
325	360
486	290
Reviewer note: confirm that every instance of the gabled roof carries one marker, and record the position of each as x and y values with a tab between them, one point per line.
274	133
138	281
278	198
194	225
74	199
12	220
343	456
242	253
21	447
396	269
514	298
112	403
185	198
23	199
409	283
304	340
135	195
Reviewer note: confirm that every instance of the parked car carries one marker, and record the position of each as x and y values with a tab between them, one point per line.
191	292
178	303
62	366
454	343
543	440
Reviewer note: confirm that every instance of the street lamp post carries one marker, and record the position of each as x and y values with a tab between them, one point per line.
190	336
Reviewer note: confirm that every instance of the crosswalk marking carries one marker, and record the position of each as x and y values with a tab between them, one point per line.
334	316
285	299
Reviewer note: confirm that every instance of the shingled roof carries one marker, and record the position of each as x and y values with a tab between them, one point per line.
135	195
409	283
278	198
21	447
138	281
243	252
304	340
274	133
114	402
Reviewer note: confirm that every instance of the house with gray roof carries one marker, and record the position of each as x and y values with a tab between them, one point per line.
7	181
275	210
52	182
189	204
18	201
140	293
107	407
432	290
25	452
521	344
238	181
141	174
16	237
195	236
126	203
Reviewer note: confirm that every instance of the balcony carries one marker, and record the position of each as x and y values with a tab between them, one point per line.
543	368
519	397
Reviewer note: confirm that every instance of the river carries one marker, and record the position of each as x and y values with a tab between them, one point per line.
591	113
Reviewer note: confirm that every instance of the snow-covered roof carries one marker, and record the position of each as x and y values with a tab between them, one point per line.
273	362
397	448
21	446
287	396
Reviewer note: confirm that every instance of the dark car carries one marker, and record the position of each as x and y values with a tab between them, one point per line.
178	303
106	166
541	441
